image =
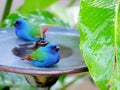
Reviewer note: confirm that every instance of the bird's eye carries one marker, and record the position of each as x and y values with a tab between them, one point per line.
17	22
54	47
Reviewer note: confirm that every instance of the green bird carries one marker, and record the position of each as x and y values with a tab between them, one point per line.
44	56
27	31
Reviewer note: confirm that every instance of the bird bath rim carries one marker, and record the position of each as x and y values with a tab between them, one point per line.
36	72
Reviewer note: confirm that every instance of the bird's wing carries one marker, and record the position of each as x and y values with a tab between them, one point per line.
38	55
33	55
35	32
41	56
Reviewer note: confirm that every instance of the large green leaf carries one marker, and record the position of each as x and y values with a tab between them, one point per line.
30	5
42	18
99	27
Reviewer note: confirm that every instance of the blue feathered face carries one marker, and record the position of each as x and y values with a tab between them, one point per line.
53	47
19	23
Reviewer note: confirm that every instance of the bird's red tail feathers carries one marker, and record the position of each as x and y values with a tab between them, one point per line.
26	58
44	29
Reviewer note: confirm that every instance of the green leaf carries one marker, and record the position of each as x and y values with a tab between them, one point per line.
10	19
14	81
62	78
99	27
68	14
30	5
42	18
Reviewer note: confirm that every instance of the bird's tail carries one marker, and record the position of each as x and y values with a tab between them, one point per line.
26	58
45	29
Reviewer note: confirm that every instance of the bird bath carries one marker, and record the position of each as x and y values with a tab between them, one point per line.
70	62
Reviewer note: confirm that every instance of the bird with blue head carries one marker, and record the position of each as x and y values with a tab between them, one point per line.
44	56
27	31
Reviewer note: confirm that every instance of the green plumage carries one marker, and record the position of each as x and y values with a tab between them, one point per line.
44	56
34	31
38	55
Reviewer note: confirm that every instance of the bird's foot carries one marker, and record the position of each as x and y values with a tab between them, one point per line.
40	43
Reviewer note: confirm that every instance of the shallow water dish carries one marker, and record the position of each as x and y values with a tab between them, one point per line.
67	38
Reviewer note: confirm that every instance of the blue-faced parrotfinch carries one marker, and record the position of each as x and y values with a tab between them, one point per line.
27	31
44	56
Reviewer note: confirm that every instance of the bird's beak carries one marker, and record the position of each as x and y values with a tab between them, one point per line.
57	48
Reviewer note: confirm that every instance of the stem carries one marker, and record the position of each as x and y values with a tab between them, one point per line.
71	3
7	9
